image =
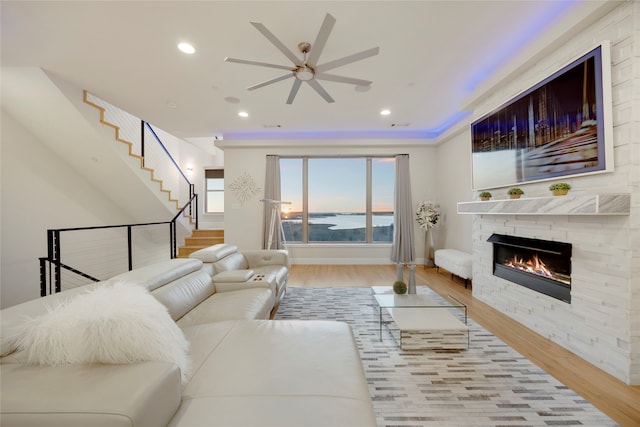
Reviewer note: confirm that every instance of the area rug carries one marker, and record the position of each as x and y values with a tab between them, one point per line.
490	384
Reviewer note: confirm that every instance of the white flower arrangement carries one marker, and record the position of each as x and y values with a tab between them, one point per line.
428	214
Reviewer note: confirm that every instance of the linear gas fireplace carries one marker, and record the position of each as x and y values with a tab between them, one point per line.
541	265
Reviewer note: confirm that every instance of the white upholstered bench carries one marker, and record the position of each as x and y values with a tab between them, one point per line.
455	262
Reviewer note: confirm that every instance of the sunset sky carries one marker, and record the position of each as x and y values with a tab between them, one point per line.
338	185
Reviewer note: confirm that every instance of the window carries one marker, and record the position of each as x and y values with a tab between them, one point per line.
338	199
214	183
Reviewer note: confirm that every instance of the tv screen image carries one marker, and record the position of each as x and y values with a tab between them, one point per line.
557	128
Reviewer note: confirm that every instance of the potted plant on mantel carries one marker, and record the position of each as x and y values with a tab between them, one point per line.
485	195
515	193
560	188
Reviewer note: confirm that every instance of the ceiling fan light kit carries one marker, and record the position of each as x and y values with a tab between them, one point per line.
305	73
307	69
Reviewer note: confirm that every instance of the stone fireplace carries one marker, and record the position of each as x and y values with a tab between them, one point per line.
595	228
541	265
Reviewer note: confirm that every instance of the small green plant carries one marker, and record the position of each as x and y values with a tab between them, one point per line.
399	287
514	191
485	195
560	186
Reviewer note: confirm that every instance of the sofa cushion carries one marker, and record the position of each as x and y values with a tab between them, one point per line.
283	347
155	275
204	338
265	365
115	323
235	261
185	293
289	410
214	253
253	303
143	394
233	276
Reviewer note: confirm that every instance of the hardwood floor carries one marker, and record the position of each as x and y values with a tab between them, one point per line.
616	399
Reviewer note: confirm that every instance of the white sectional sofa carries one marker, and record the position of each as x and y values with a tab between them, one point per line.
244	370
254	268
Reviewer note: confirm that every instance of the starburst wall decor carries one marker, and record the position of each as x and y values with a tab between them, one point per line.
244	187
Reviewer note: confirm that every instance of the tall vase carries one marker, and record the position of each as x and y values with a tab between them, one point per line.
411	289
399	272
428	249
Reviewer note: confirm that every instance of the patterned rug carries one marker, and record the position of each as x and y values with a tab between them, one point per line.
490	384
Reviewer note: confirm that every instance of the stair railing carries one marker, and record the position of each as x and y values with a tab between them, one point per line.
52	267
155	157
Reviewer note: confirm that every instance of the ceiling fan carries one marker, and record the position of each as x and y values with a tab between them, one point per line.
307	69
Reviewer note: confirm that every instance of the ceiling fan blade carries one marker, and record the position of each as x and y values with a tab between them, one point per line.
341	79
321	40
268	82
347	60
277	43
259	64
294	90
318	88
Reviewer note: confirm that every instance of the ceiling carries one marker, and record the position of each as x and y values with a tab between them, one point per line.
433	56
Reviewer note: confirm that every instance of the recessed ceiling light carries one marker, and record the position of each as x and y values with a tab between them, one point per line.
186	48
243	114
385	112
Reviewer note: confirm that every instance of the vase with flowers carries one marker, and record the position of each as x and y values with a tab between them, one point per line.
428	215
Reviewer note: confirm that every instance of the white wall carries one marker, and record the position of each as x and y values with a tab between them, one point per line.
602	323
201	154
454	184
243	222
39	192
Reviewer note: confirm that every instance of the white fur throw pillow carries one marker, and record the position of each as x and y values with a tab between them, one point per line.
116	323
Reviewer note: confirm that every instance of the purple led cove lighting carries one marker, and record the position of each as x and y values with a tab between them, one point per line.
556	11
351	134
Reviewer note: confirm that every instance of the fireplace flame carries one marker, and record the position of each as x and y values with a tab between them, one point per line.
533	265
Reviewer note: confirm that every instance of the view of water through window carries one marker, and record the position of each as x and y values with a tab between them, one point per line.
337	199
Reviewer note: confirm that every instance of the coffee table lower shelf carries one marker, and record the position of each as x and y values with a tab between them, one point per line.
424	329
417	322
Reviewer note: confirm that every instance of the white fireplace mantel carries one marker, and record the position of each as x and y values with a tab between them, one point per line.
585	204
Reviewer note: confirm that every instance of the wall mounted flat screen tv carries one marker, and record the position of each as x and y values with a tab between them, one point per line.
560	127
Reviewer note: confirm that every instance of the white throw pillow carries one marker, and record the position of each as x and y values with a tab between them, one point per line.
116	323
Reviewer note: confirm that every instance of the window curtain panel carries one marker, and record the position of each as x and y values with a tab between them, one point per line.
272	224
402	250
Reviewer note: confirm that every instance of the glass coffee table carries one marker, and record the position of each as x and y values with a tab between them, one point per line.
419	322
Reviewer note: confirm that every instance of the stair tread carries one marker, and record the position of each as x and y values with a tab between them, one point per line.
200	239
205	237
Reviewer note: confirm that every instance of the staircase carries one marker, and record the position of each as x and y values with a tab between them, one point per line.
156	151
200	239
